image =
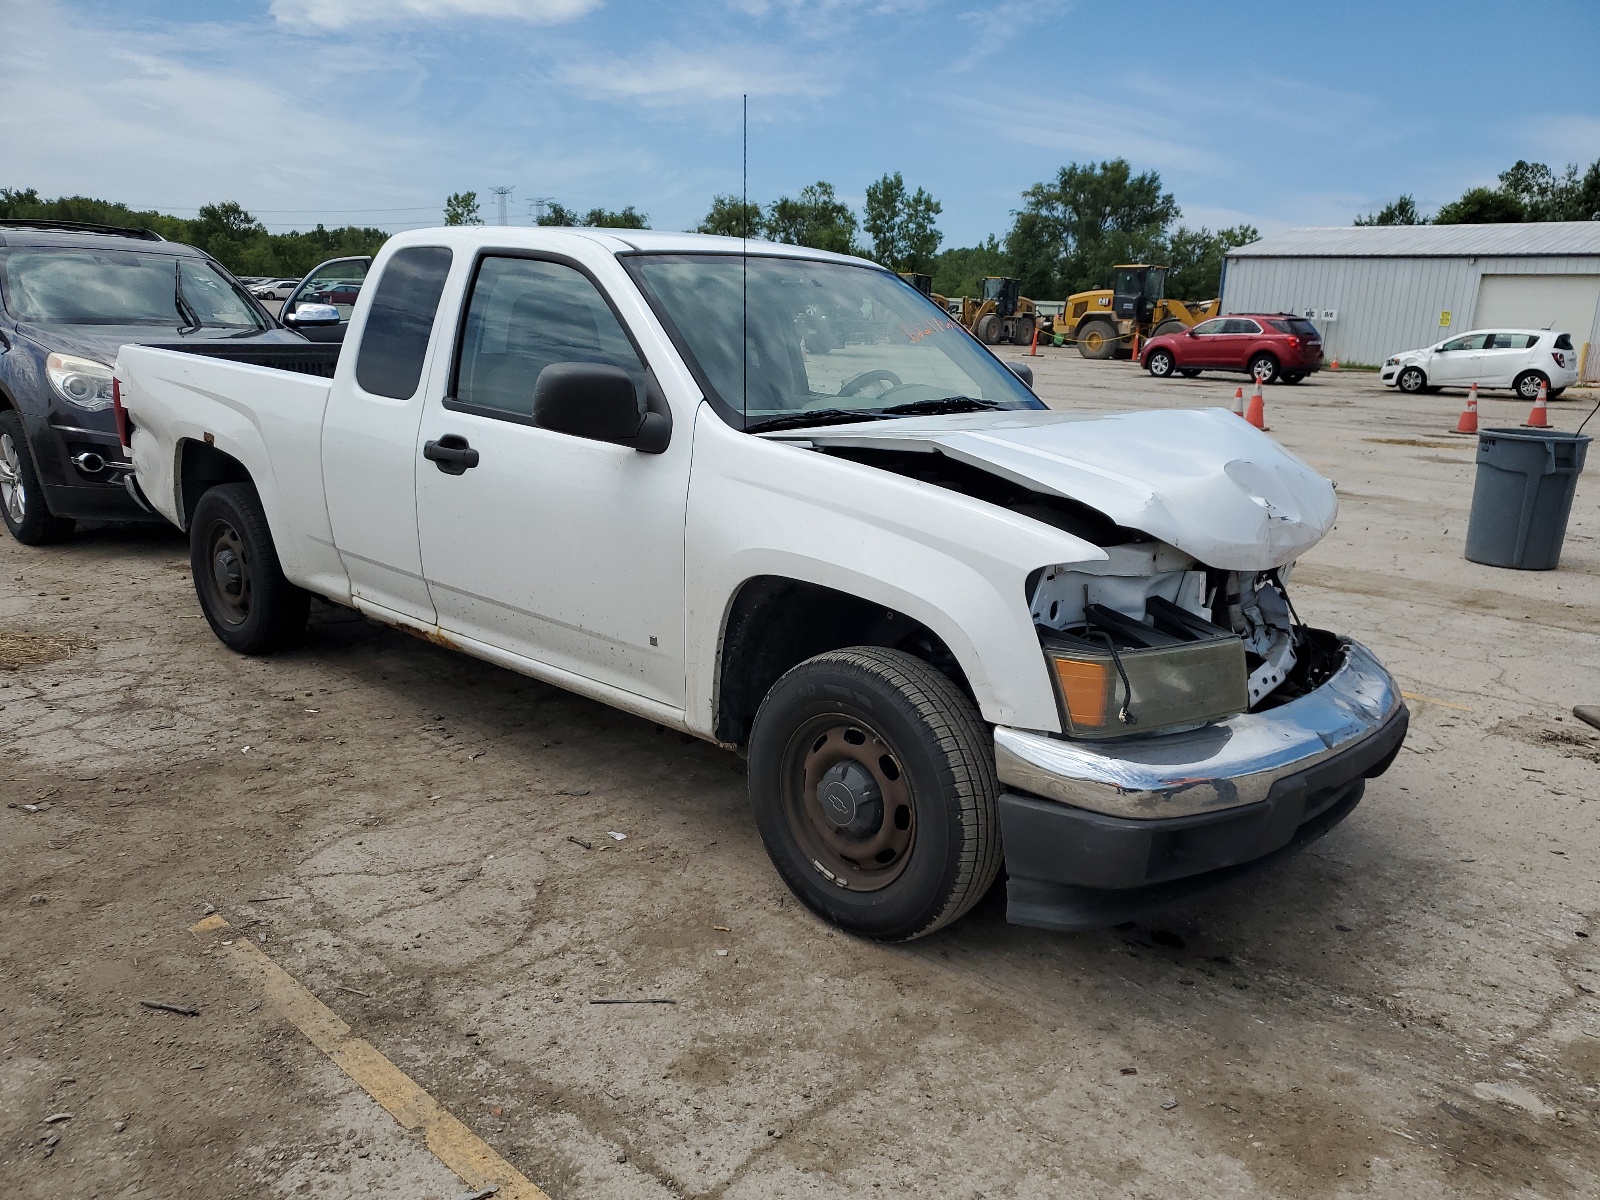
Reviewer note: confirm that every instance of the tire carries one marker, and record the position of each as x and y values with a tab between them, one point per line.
1264	368
1527	385
22	503
908	758
1189	372
989	329
1293	377
1160	363
1097	339
1411	381
248	603
1022	331
1170	325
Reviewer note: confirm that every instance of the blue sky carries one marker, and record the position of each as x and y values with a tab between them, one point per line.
371	111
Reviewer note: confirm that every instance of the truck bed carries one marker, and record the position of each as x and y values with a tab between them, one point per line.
308	358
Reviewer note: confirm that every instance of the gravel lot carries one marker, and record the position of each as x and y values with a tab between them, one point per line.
1408	1009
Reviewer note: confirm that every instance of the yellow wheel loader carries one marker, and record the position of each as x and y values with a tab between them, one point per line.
1105	322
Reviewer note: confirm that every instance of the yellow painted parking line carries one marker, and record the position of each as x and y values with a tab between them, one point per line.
1433	700
452	1143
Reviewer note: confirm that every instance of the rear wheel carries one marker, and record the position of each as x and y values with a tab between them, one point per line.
1265	368
873	786
21	495
1159	363
249	604
1411	380
1022	331
1097	339
1528	383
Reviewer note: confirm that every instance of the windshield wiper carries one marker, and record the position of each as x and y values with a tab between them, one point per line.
191	319
816	416
944	404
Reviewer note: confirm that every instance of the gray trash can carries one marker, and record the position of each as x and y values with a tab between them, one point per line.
1523	496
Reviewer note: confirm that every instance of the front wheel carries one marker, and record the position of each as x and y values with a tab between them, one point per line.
1097	340
1411	381
1159	363
989	329
21	495
249	604
1529	383
1265	368
873	785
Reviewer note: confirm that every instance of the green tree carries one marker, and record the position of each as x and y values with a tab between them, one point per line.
557	213
461	208
1482	206
816	218
901	225
960	271
1402	211
732	217
1194	259
626	218
1073	229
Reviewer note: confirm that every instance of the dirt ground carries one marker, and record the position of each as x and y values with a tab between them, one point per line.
1409	1008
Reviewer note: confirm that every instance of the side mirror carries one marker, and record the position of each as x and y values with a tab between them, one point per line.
598	402
1189	332
313	316
1022	371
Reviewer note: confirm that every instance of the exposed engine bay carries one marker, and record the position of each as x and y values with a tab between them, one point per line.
1169	628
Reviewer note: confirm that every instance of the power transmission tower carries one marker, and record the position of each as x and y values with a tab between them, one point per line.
501	195
538	207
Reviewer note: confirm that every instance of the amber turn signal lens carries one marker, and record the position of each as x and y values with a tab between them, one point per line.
1084	686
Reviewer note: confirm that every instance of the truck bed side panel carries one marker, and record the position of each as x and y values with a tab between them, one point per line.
270	421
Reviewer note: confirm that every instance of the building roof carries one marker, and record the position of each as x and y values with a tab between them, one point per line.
1428	241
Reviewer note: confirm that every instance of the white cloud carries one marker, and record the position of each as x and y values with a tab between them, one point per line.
668	76
146	127
341	14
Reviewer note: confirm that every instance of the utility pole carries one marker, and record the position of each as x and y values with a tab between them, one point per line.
501	195
538	207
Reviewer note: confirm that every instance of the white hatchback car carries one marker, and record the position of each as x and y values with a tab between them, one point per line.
1519	359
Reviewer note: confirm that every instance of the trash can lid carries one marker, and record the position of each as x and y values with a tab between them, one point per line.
1534	435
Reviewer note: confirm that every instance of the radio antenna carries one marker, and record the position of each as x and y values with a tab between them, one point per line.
744	254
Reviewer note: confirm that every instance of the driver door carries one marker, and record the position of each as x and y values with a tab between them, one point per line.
554	547
1205	348
1458	361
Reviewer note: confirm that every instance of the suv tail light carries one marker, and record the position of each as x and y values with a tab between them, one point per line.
124	427
1561	359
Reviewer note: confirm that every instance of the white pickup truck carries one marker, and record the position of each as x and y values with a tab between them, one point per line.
777	499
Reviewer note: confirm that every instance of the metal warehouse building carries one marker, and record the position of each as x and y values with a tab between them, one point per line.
1375	290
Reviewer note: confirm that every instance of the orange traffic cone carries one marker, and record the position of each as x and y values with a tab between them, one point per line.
1256	414
1334	365
1539	417
1033	350
1238	402
1468	422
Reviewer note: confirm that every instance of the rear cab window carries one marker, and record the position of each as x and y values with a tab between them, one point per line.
1563	341
395	340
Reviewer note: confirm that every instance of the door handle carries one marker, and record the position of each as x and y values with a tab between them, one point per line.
451	454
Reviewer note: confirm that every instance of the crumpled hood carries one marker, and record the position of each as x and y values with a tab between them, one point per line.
1199	479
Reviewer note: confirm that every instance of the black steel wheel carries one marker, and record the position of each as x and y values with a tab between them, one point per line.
1411	381
1160	363
22	504
249	604
873	786
1528	384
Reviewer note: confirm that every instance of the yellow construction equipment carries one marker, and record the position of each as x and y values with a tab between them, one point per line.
1002	314
1105	323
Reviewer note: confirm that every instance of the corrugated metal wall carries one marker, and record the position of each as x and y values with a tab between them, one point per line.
1384	305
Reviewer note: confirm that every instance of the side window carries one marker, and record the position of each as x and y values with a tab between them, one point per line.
1207	328
524	315
1242	325
395	340
1474	342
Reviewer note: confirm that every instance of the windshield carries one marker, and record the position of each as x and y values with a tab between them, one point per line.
819	339
121	287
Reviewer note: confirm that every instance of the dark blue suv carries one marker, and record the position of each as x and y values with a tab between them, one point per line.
71	295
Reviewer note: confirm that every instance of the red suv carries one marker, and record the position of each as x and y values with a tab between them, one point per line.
1270	346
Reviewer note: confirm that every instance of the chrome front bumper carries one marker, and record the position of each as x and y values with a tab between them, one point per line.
1221	766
